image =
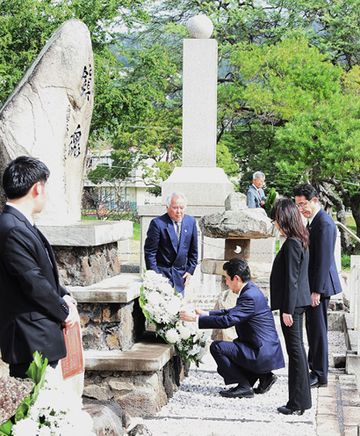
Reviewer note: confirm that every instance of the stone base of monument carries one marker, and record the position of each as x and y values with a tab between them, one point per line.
139	376
110	316
87	252
260	272
202	186
140	380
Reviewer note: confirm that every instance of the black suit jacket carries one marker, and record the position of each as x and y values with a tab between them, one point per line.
289	284
323	274
32	308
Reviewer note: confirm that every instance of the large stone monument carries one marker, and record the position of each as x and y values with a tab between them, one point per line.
48	116
205	186
199	178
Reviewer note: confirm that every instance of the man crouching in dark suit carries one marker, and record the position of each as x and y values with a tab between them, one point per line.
257	350
34	307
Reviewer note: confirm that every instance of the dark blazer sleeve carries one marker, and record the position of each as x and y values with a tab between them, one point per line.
244	310
193	250
293	255
321	256
151	246
22	262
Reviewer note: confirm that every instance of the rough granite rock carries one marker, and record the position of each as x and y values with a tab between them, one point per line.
48	116
140	430
241	224
107	417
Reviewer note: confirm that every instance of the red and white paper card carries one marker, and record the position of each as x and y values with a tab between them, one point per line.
73	363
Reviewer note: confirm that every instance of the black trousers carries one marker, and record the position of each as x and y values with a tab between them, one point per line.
317	334
228	366
19	370
298	380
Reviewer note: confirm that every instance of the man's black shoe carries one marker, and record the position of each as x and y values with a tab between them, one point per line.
238	392
265	383
286	411
314	381
228	390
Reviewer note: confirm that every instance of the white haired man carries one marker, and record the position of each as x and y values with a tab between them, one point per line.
171	246
255	196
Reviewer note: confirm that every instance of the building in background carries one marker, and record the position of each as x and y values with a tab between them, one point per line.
118	195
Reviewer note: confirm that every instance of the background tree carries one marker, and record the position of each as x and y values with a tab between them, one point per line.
289	82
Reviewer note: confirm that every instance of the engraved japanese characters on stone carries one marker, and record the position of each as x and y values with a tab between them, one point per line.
87	81
74	146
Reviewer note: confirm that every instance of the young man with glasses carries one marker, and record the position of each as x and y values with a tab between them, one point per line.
323	278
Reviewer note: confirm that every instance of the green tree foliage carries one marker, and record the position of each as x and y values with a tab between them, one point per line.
289	82
26	25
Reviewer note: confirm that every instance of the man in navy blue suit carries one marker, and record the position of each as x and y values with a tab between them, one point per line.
323	278
257	350
171	245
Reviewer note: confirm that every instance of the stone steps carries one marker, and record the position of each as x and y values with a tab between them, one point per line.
120	366
338	406
139	380
142	357
121	288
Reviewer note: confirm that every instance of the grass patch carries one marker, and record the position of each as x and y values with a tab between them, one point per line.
345	262
136	234
350	223
88	217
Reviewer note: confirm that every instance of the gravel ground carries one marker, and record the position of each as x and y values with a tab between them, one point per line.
198	409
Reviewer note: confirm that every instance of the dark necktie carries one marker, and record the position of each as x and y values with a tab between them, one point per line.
178	228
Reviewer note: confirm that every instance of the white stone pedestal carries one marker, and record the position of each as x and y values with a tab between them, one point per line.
202	186
88	233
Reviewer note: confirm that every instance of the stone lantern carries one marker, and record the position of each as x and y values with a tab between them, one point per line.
237	225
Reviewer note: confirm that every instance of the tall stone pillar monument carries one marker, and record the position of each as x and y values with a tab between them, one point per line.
198	178
205	186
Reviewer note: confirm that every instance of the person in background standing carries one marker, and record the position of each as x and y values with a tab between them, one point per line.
255	196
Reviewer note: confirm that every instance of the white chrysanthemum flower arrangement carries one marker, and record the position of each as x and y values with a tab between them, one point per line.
161	305
51	409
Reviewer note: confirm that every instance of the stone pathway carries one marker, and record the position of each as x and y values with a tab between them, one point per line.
198	410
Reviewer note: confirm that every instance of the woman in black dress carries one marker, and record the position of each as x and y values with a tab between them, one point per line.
290	293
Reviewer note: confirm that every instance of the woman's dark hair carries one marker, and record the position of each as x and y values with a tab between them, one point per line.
237	267
21	174
289	219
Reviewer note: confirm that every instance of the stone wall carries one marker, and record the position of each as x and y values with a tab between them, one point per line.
139	394
110	326
83	266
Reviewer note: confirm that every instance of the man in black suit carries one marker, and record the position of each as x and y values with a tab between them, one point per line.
323	279
257	350
34	307
171	245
